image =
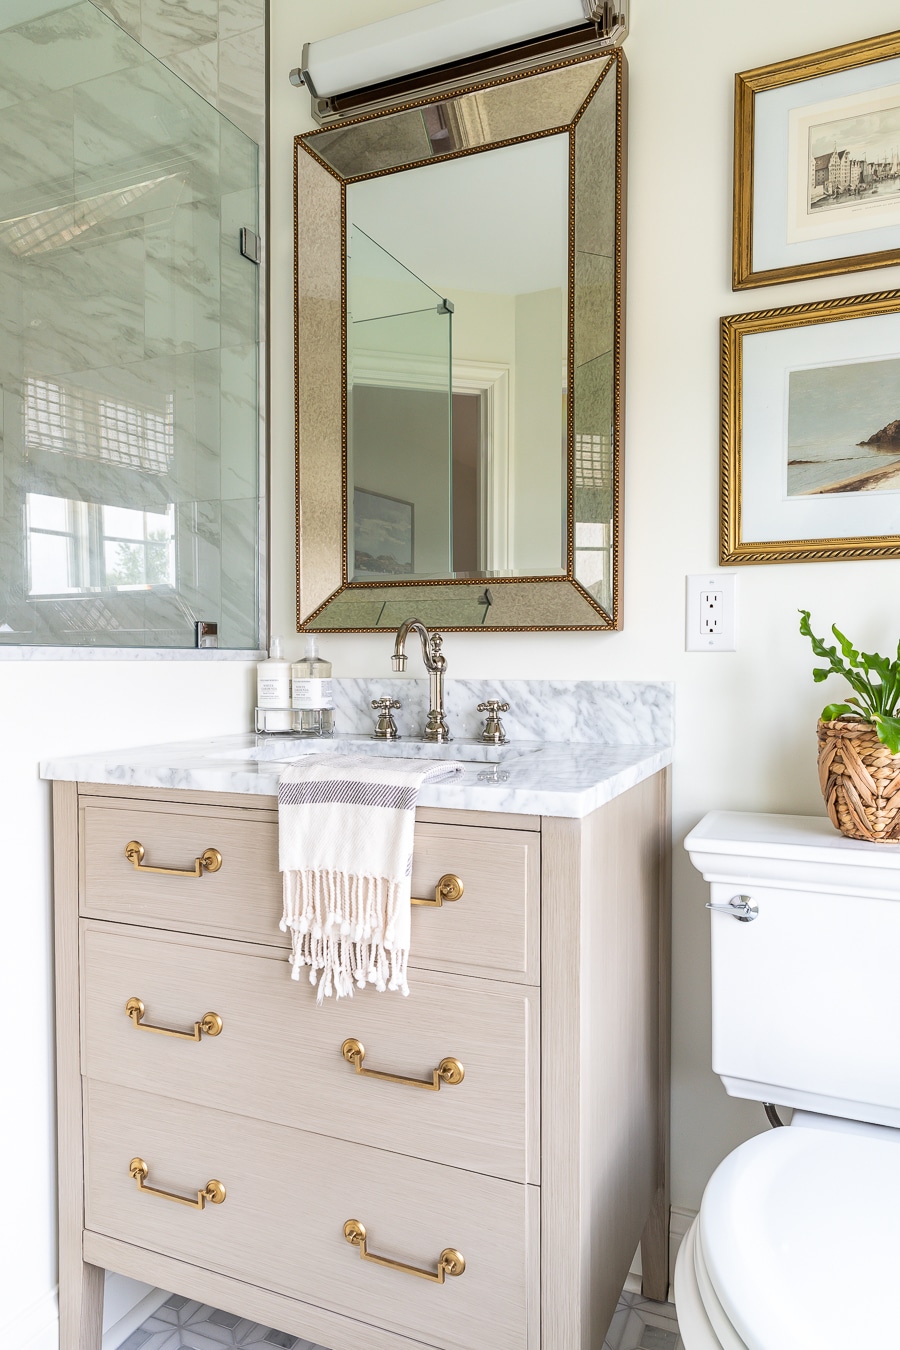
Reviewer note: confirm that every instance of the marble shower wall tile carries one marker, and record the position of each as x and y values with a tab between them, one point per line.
61	49
168	27
182	281
575	711
237	16
198	67
36	151
241	92
84	307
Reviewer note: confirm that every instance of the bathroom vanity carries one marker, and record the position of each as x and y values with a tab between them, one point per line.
473	1165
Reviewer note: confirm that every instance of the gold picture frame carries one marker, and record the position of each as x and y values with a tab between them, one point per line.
834	488
762	257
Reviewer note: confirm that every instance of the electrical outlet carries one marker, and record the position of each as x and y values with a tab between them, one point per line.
710	613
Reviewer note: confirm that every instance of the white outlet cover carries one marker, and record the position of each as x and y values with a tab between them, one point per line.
695	639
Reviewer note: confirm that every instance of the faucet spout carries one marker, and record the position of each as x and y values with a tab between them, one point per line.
436	729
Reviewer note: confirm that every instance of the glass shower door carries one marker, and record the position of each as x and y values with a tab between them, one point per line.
128	345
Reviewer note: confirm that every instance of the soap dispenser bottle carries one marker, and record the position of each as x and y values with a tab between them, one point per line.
273	692
312	692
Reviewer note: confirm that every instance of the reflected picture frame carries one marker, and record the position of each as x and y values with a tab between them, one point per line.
810	443
814	195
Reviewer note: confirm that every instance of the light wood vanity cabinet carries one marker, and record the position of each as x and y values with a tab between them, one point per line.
543	1167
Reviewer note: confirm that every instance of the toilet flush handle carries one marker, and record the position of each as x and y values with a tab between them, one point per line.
740	907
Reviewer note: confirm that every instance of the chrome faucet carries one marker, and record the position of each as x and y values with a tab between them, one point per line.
436	728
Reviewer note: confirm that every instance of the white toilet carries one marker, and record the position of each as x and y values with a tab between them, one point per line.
797	1242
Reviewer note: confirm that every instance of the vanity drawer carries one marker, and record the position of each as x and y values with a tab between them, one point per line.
288	1196
242	899
492	930
278	1055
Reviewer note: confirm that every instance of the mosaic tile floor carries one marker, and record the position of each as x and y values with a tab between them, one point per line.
181	1324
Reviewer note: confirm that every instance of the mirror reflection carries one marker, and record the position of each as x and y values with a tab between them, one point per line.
457	324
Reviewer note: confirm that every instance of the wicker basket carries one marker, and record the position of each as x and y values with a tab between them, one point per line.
860	781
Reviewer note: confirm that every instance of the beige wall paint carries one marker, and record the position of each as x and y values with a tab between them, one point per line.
746	720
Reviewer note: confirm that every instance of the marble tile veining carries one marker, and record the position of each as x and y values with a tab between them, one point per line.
241	97
590	711
545	780
168	27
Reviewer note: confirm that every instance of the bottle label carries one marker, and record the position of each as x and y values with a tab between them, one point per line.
273	691
312	694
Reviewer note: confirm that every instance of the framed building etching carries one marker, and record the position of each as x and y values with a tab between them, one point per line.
817	164
811	432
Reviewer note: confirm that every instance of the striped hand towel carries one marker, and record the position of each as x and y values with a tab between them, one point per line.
345	827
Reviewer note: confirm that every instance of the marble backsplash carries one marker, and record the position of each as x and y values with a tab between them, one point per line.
598	712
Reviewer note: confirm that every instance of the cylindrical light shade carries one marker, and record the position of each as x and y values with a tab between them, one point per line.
448	30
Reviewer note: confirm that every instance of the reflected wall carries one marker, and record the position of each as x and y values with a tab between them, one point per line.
128	346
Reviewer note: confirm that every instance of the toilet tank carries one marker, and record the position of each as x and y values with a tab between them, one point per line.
806	994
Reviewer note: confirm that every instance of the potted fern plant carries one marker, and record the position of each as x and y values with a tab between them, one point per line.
859	740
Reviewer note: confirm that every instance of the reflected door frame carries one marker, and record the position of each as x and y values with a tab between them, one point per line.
492	382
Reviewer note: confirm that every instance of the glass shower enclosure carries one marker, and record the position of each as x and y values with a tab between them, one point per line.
129	345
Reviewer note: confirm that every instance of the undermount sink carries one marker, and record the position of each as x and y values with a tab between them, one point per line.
284	749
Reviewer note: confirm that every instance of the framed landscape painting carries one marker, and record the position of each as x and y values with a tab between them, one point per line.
811	432
817	164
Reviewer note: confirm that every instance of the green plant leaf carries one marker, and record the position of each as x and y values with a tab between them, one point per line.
888	729
849	651
860	683
835	710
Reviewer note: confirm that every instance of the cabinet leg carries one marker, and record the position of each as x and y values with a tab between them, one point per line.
655	1251
80	1305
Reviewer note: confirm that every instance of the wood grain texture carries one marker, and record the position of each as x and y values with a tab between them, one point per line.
288	1196
245	1300
80	1284
655	1238
498	820
493	930
600	1076
279	1058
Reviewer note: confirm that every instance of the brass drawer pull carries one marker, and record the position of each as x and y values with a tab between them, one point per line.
211	859
211	1023
213	1191
450	1261
448	888
449	1071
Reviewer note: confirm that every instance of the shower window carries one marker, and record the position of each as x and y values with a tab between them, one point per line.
129	352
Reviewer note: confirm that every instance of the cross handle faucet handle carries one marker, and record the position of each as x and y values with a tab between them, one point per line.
385	727
493	733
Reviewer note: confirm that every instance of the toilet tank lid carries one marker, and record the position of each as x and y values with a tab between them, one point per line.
799	852
793	1225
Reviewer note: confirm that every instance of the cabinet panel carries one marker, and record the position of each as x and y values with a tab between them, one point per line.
492	930
288	1196
278	1055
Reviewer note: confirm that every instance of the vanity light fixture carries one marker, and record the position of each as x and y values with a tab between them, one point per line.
447	43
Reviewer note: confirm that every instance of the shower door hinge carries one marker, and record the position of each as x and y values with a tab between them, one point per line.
251	245
207	634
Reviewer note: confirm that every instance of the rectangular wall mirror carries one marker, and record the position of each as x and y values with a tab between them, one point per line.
459	362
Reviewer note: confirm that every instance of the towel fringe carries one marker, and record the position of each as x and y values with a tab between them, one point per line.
344	943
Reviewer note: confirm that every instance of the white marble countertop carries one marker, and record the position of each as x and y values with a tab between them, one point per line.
525	778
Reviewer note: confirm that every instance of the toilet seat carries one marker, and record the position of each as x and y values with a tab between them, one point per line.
795	1226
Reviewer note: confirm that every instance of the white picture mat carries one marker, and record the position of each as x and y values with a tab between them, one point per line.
767	513
771	205
855	215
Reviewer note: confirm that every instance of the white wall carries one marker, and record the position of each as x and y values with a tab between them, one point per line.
746	721
50	708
